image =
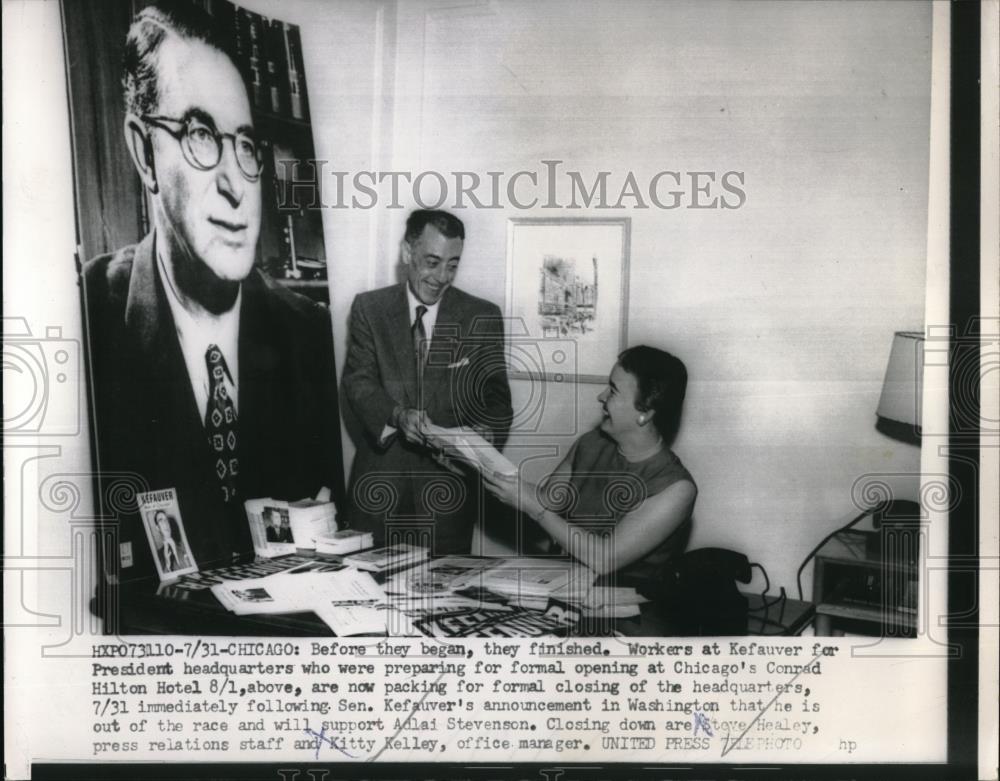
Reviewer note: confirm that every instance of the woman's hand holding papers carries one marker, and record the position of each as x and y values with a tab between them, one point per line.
514	490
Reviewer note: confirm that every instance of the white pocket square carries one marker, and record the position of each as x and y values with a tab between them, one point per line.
459	364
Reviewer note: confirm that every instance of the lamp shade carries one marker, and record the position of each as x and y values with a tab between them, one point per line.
899	406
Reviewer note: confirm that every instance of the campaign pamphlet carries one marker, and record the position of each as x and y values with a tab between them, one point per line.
168	542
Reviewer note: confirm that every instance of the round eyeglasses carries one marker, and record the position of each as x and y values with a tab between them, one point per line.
202	144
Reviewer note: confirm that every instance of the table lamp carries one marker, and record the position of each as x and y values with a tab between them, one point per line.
898	524
899	406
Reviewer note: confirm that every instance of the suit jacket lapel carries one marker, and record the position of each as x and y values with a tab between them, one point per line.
144	316
259	358
401	343
149	321
444	348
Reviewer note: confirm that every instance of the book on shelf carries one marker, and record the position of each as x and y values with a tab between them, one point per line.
391	557
277	68
268	53
252	27
298	101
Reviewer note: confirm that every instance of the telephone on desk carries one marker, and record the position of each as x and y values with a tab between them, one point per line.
700	593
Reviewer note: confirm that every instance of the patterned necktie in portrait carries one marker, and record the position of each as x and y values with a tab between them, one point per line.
420	345
220	423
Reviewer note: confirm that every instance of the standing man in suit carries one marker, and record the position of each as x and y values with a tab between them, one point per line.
423	352
206	376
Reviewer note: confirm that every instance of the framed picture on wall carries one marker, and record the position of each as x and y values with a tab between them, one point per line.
567	297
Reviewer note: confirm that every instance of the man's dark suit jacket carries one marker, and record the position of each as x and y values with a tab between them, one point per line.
465	384
149	430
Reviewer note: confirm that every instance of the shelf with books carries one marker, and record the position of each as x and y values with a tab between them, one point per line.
292	250
276	123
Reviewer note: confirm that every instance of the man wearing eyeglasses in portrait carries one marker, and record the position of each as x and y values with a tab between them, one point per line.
207	376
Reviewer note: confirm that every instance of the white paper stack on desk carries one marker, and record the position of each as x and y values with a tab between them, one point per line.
348	601
613	602
354	605
311	518
431	586
343	542
453	594
291	590
523	579
391	557
533	583
438	577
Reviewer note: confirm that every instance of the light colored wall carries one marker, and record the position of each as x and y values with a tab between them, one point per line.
783	310
47	478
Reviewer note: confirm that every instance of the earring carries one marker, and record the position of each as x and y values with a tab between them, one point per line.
642	419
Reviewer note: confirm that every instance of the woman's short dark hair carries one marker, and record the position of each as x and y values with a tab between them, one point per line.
662	380
149	29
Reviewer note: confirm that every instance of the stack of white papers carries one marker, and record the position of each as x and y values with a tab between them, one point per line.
536	580
470	448
348	601
353	605
311	518
391	557
288	591
343	542
613	602
437	578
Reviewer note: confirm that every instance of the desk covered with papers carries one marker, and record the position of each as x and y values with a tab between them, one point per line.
307	594
401	592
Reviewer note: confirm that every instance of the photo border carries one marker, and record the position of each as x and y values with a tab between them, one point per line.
625	223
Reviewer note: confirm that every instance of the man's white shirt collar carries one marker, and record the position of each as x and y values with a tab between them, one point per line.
430	316
196	335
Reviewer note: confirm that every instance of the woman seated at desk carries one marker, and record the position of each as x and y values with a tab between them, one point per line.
620	501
